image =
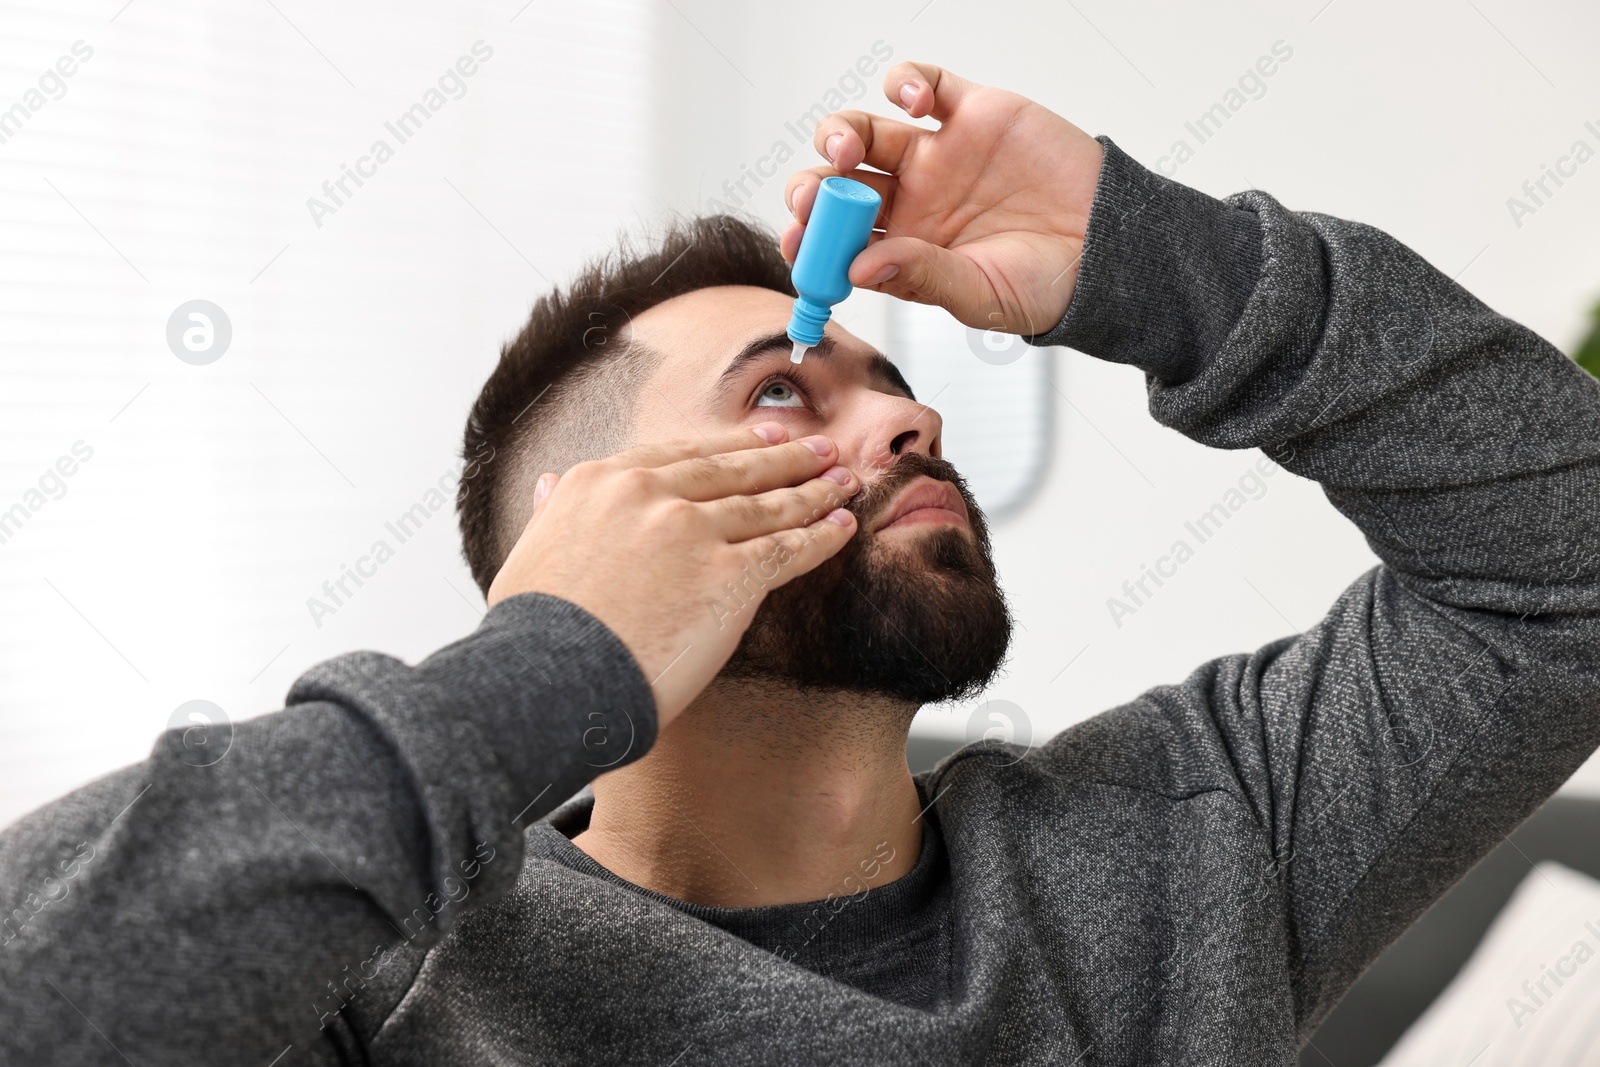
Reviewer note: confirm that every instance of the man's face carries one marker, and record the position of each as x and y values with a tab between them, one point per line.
909	608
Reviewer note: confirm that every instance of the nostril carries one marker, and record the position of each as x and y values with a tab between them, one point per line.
900	443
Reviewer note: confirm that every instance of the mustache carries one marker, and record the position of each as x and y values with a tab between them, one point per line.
875	496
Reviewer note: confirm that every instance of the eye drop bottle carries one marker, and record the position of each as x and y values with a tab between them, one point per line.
840	224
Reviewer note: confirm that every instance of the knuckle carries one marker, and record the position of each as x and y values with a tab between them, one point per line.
583	479
703	471
583	473
762	512
829	495
807	504
912	275
677	510
784	550
672	517
635	480
773	555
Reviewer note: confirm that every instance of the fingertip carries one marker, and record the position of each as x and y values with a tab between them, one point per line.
789	242
909	92
771	432
841	517
831	147
804	196
819	444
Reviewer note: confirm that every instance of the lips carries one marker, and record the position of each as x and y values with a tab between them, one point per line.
925	500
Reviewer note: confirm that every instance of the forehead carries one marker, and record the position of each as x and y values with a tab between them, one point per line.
698	332
716	319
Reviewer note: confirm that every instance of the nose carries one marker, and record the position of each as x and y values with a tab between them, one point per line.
896	425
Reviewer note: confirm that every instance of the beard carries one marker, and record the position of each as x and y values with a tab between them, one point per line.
919	619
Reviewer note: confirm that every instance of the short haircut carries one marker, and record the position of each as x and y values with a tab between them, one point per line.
565	390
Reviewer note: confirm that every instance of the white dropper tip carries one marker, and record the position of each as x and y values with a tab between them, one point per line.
798	352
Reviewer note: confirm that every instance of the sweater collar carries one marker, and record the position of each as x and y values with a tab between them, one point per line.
801	928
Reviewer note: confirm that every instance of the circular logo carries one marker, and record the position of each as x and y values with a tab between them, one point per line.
198	332
1407	336
207	732
850	189
598	739
1275	873
995	346
1002	722
1407	744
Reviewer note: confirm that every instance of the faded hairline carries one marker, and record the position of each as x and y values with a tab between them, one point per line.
589	414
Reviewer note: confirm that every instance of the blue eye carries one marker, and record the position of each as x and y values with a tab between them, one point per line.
779	394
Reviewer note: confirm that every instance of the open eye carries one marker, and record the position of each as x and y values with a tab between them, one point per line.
779	393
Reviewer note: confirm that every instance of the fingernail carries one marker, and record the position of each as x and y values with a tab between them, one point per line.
908	94
837	475
831	145
541	490
820	445
841	516
770	432
883	275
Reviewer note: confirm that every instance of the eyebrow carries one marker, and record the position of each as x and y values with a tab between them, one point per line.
878	365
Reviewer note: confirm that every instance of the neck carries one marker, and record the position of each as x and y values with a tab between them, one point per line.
758	795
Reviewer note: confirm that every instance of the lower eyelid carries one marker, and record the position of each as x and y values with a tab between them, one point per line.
801	400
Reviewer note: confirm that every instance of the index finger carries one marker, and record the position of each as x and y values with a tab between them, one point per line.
751	472
865	138
918	89
660	454
924	89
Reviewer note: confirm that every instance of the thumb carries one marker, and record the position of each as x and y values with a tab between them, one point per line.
925	273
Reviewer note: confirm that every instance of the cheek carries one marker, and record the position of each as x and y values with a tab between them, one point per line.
868	457
665	415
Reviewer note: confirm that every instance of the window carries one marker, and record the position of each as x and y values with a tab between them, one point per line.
994	392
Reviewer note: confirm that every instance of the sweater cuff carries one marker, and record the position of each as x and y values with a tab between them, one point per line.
556	694
1166	273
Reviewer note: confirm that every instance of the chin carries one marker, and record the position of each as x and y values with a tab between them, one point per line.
910	612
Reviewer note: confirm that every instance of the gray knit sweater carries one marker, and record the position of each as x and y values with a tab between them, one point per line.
371	875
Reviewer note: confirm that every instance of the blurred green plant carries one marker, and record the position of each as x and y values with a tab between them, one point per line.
1588	354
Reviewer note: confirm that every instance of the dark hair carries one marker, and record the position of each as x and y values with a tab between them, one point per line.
550	402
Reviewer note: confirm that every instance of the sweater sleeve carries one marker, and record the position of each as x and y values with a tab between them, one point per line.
224	901
1449	691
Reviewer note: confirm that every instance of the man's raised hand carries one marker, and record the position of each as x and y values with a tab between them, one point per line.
984	216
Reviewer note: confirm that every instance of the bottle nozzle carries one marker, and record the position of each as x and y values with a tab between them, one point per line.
798	352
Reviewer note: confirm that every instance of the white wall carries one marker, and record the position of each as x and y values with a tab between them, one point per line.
218	499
